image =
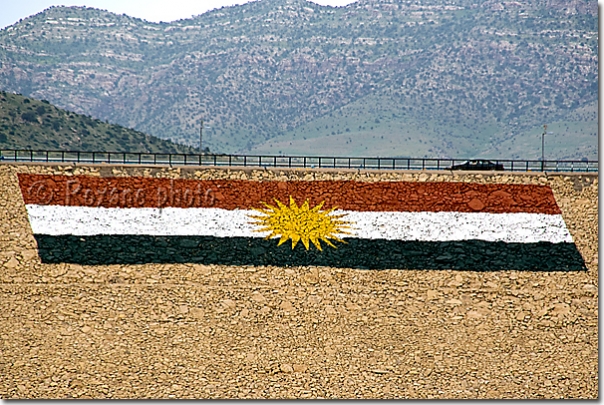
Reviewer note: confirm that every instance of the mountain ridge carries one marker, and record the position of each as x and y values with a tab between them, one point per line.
450	73
29	124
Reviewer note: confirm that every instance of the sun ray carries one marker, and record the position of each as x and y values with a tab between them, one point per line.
305	241
326	240
295	240
315	241
282	240
301	223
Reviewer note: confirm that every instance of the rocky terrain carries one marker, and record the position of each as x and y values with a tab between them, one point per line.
377	77
196	331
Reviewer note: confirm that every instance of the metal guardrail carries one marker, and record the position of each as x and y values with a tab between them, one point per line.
380	163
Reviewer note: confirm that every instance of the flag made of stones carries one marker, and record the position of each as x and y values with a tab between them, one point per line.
349	224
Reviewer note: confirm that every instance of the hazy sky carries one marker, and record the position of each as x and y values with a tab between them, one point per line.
152	10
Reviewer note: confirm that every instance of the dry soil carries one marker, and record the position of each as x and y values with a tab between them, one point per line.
195	331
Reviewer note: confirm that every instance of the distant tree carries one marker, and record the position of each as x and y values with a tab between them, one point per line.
29	116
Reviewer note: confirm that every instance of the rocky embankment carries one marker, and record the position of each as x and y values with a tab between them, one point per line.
213	331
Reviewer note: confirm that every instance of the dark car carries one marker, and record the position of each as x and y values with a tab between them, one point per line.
477	165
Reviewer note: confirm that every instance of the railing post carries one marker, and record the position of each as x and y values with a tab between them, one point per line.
408	163
62	156
349	163
230	156
139	158
245	161
304	161
290	162
393	164
274	161
423	163
214	160
46	156
319	162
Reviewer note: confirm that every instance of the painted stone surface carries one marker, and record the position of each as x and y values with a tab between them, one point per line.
380	225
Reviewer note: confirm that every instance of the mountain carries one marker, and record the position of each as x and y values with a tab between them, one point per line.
437	78
26	123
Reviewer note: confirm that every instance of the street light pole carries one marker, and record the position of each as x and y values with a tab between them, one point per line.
543	145
200	136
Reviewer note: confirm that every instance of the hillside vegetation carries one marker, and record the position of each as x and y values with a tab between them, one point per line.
439	78
26	123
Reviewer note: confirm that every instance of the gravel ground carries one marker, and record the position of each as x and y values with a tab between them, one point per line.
195	331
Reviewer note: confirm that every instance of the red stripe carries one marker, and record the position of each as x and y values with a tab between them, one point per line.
244	194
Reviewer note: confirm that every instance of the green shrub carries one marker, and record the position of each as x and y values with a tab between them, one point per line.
29	116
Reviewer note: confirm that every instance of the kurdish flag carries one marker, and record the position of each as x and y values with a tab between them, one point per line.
348	224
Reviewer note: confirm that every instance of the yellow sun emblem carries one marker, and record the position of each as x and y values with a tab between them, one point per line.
301	223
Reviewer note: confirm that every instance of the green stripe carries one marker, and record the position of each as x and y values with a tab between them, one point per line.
375	254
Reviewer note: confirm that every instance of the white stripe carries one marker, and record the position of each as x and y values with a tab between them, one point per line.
408	226
450	226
